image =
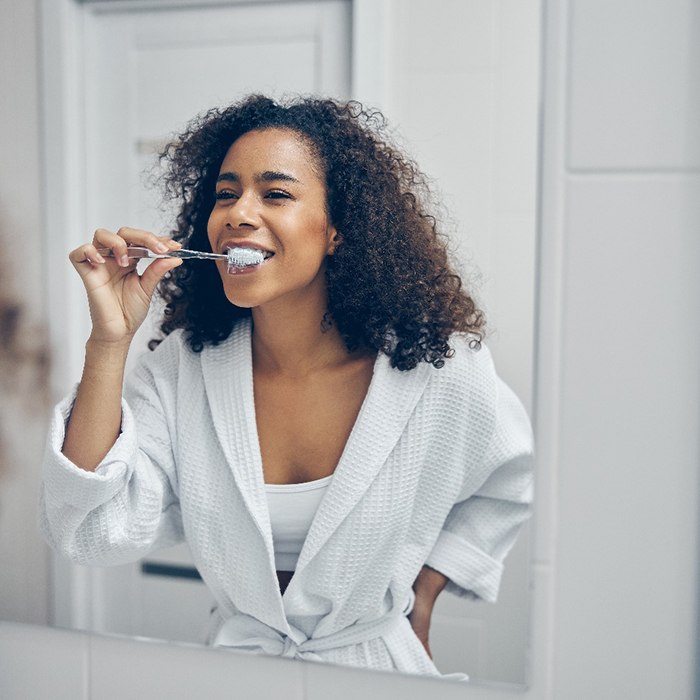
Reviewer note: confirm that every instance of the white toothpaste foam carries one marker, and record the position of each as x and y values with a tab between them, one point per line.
244	257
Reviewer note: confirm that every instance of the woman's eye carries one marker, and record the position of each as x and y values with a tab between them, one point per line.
225	194
278	194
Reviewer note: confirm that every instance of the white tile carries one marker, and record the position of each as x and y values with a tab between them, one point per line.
41	662
324	681
635	84
126	668
628	484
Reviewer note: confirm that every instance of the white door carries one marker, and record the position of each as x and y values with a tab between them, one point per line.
147	73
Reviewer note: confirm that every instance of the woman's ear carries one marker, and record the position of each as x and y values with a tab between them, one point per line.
336	240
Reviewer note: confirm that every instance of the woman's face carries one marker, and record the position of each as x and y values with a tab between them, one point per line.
271	195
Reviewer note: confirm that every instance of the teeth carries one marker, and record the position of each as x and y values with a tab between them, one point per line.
245	257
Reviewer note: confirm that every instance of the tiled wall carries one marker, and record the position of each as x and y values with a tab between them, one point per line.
627	486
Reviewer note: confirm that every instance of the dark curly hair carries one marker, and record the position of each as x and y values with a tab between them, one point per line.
390	285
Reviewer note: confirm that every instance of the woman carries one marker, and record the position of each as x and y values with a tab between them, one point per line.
323	428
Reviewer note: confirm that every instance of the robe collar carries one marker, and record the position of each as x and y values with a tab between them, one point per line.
391	398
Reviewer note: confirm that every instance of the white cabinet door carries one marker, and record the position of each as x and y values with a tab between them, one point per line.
146	74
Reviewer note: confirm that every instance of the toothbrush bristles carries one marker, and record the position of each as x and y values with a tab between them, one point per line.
244	257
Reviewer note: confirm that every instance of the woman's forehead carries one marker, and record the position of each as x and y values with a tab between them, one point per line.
273	149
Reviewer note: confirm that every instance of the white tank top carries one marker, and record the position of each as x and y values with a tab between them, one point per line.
292	508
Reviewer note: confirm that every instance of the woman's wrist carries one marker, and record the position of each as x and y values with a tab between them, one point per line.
106	355
429	582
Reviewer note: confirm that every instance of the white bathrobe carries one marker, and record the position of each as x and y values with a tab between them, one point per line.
437	470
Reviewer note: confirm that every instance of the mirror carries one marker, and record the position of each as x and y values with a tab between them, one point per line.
460	86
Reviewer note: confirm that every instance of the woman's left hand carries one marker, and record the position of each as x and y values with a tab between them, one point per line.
427	587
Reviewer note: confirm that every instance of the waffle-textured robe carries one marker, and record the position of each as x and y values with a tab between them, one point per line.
437	470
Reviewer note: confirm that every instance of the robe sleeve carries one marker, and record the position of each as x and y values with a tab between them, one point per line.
483	524
129	505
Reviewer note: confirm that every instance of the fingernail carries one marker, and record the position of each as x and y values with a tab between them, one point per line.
99	258
124	260
161	247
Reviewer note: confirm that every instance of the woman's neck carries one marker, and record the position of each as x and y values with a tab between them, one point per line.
295	343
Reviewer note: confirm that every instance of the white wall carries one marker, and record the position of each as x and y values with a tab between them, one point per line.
622	182
615	579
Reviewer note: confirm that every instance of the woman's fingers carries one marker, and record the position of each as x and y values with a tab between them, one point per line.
118	242
86	259
115	242
155	272
158	244
88	256
117	296
85	253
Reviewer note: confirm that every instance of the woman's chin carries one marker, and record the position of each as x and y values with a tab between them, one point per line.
242	302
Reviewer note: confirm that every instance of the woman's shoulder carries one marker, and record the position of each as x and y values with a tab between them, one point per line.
174	354
470	360
468	380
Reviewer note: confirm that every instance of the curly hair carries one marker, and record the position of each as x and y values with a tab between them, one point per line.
390	285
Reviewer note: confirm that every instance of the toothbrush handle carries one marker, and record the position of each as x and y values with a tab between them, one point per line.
138	252
132	251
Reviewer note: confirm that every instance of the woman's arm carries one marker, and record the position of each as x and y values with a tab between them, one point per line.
95	419
130	504
119	300
427	587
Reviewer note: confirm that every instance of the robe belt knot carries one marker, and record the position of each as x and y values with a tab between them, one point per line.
245	633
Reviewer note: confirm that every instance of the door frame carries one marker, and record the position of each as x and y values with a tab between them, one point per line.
75	602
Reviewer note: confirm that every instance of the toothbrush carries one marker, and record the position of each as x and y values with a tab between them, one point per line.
235	257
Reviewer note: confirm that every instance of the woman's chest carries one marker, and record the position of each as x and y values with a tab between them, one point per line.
304	425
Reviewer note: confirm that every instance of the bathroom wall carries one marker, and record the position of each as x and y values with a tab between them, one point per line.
622	183
616	560
24	570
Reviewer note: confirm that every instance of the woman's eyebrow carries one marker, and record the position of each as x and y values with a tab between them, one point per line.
228	177
272	175
266	176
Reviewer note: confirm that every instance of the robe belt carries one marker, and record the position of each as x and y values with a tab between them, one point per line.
246	633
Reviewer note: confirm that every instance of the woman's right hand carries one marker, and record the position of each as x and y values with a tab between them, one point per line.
118	296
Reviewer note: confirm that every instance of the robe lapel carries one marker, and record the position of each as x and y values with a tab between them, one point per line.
228	378
389	403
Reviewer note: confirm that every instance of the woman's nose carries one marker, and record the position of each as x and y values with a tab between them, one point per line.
244	213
